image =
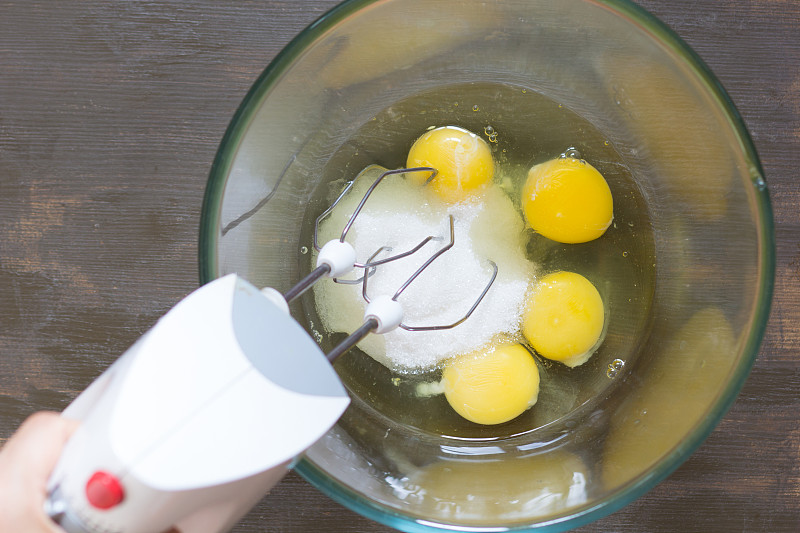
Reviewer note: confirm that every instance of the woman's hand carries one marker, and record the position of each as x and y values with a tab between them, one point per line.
26	461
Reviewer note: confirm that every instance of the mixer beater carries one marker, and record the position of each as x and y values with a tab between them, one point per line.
337	258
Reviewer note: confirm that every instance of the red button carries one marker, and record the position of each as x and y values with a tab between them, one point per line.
103	490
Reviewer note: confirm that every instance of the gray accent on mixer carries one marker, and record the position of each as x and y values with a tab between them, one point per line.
279	355
59	512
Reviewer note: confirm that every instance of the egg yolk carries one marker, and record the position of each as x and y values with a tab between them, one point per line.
564	318
567	200
463	161
492	387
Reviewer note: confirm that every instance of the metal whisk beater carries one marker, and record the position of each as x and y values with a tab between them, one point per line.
337	258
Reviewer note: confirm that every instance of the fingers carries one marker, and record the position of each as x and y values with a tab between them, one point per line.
26	461
38	442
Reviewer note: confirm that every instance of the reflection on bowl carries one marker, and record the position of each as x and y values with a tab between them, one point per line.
694	368
490	493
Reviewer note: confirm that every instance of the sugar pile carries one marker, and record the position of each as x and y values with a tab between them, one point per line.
400	214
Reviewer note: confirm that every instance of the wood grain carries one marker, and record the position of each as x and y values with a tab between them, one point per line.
110	115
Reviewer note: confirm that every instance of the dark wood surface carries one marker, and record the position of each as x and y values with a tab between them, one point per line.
110	115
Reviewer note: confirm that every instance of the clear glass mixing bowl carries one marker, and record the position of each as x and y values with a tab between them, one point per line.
704	210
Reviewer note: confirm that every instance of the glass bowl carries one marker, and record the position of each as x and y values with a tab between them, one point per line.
687	279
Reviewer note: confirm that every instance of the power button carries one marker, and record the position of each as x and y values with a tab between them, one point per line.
104	490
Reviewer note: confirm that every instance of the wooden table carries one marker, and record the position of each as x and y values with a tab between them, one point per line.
110	115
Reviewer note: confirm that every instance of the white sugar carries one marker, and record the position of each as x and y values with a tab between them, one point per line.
400	214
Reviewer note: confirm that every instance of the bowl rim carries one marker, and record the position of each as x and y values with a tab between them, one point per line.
659	31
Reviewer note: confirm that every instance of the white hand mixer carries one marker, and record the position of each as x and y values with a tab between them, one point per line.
192	425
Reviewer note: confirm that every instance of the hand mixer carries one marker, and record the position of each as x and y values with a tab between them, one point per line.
192	425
